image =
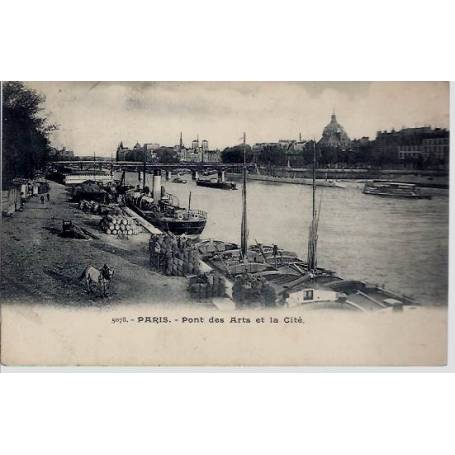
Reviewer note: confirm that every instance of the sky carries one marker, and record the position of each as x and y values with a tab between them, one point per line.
93	117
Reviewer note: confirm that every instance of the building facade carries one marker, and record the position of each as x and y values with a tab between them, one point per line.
137	152
419	144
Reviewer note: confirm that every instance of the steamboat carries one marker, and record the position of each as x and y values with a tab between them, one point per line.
163	210
394	189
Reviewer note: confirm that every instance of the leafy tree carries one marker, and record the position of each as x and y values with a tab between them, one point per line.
25	140
274	155
235	154
167	155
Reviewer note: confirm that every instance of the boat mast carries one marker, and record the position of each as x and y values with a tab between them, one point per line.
313	235
94	167
244	231
145	166
314	180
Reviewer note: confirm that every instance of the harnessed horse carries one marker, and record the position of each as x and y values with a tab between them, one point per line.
101	278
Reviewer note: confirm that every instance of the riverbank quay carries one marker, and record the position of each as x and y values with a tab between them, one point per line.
40	266
425	179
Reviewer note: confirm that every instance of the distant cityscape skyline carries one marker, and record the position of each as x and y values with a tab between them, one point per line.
95	117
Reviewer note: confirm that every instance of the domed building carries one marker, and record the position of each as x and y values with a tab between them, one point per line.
334	135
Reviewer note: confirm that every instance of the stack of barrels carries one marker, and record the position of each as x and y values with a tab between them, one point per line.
119	224
172	255
205	286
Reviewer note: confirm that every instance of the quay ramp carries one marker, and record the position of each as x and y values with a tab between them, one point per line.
144	223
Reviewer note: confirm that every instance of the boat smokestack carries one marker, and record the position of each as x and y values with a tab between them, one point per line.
156	188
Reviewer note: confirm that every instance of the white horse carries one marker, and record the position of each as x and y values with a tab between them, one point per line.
101	278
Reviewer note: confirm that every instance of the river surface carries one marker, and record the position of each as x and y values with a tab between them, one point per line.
399	243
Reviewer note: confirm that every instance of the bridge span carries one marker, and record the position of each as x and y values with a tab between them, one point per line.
152	167
139	165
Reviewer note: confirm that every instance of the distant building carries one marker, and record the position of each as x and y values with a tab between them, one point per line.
413	143
198	152
121	152
212	156
61	154
411	151
193	156
66	154
438	147
285	144
334	135
152	146
299	146
137	152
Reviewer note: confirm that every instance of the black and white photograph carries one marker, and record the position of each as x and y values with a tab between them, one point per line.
287	207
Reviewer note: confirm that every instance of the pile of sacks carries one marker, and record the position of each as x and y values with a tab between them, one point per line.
205	286
252	290
119	224
173	255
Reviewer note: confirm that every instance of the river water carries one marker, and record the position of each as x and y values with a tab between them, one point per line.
399	243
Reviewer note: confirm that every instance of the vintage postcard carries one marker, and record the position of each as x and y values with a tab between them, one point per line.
224	223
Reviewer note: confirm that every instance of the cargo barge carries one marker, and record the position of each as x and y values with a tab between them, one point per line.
216	184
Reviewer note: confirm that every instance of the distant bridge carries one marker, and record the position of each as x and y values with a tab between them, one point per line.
139	165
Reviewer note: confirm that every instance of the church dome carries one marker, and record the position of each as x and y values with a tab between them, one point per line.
334	135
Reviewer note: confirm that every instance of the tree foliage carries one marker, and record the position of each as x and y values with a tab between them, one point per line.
235	154
167	155
25	140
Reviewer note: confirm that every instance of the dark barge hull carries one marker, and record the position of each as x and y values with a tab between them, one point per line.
399	196
218	185
179	227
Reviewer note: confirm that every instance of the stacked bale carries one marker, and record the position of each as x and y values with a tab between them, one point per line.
119	224
205	286
93	206
250	290
174	256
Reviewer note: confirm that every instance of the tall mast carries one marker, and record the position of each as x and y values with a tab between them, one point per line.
244	231
314	180
145	167
94	167
313	235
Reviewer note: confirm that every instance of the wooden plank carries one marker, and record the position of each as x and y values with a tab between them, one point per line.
144	223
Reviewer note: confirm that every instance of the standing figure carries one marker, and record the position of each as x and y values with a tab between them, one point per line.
275	253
